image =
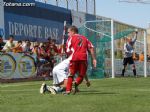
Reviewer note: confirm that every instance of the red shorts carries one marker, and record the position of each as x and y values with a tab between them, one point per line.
78	66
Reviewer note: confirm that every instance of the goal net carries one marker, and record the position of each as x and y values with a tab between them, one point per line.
99	32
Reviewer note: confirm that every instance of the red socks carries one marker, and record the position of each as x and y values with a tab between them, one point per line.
69	84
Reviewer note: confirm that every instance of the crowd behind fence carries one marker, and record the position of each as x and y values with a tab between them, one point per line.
30	56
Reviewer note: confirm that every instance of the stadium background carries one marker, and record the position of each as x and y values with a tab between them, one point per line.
47	18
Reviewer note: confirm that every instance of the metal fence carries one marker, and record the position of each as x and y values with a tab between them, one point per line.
87	6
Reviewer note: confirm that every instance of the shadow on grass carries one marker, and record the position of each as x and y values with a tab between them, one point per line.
92	92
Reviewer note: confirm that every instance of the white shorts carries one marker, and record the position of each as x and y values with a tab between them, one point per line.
60	71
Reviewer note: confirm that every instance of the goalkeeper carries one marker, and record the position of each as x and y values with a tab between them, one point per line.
128	52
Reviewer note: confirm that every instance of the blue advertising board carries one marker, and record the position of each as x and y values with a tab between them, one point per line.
35	23
1	32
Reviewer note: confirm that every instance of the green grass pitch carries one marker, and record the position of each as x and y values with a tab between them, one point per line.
104	95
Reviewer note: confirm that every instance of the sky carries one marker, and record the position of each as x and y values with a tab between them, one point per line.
131	13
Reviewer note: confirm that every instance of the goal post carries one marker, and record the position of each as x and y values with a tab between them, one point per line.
108	37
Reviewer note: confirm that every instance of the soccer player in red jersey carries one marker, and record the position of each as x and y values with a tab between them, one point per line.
78	47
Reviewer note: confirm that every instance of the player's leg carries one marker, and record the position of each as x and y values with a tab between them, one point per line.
59	88
59	80
82	72
43	88
131	62
64	83
87	81
60	73
72	71
55	78
134	70
125	62
54	89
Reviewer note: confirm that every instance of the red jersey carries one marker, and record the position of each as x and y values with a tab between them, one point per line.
78	46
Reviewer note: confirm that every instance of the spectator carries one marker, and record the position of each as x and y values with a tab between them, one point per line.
53	47
43	67
42	54
52	51
49	40
18	47
26	46
141	56
9	44
35	48
2	44
135	56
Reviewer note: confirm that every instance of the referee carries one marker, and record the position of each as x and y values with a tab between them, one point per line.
128	52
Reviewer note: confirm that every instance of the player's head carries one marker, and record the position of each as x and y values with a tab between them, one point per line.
129	39
72	30
11	38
